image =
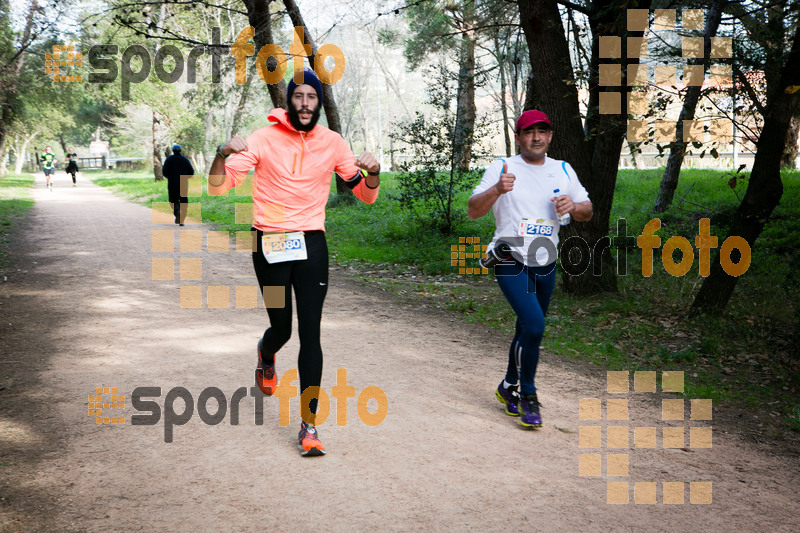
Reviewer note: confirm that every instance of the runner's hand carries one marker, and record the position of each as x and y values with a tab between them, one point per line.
506	182
564	204
368	162
234	146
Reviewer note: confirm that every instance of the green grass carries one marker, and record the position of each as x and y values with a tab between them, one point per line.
383	234
138	186
745	354
15	202
794	419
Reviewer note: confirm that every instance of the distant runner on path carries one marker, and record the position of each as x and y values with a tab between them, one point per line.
48	160
174	167
72	165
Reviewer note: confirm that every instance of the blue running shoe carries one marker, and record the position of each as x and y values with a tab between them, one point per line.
529	411
509	397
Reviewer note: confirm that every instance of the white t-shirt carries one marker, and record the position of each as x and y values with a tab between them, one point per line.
527	213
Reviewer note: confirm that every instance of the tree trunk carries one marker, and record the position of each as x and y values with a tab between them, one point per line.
8	83
5	119
503	91
465	95
517	73
632	149
594	152
239	109
23	151
156	151
774	43
390	79
764	188
789	157
768	31
329	102
677	149
259	17
209	149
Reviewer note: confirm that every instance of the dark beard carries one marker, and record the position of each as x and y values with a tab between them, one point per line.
294	119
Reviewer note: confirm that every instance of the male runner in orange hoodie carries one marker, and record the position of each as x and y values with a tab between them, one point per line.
294	160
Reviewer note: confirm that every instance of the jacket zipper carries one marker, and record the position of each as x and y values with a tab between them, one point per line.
302	149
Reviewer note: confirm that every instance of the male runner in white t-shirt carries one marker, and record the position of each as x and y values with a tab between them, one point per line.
528	193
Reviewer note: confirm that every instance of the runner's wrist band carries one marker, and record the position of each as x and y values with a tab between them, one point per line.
378	173
219	152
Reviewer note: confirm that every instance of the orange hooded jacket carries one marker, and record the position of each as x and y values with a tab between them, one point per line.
293	172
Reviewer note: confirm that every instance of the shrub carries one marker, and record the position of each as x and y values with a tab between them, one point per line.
430	182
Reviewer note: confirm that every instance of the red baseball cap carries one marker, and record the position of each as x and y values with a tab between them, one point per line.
531	117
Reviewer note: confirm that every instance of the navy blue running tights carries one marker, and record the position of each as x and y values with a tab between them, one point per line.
528	289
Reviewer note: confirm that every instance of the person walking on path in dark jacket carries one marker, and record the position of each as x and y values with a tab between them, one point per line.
174	168
72	165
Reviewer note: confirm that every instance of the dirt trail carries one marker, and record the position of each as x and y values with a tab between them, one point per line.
82	311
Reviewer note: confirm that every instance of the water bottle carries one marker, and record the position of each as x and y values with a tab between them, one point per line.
565	218
501	252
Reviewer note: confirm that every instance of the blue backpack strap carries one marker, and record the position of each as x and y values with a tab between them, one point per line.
564	166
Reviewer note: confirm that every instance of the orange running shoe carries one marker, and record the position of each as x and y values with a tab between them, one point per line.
266	380
308	441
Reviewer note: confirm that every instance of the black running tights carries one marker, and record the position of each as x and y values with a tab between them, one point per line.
309	278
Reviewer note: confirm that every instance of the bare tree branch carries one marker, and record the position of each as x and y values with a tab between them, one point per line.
751	93
176	2
577	7
475	29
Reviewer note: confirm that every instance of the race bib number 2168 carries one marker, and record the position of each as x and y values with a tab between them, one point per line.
536	227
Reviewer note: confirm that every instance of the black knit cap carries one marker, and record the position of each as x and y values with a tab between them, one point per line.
309	78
